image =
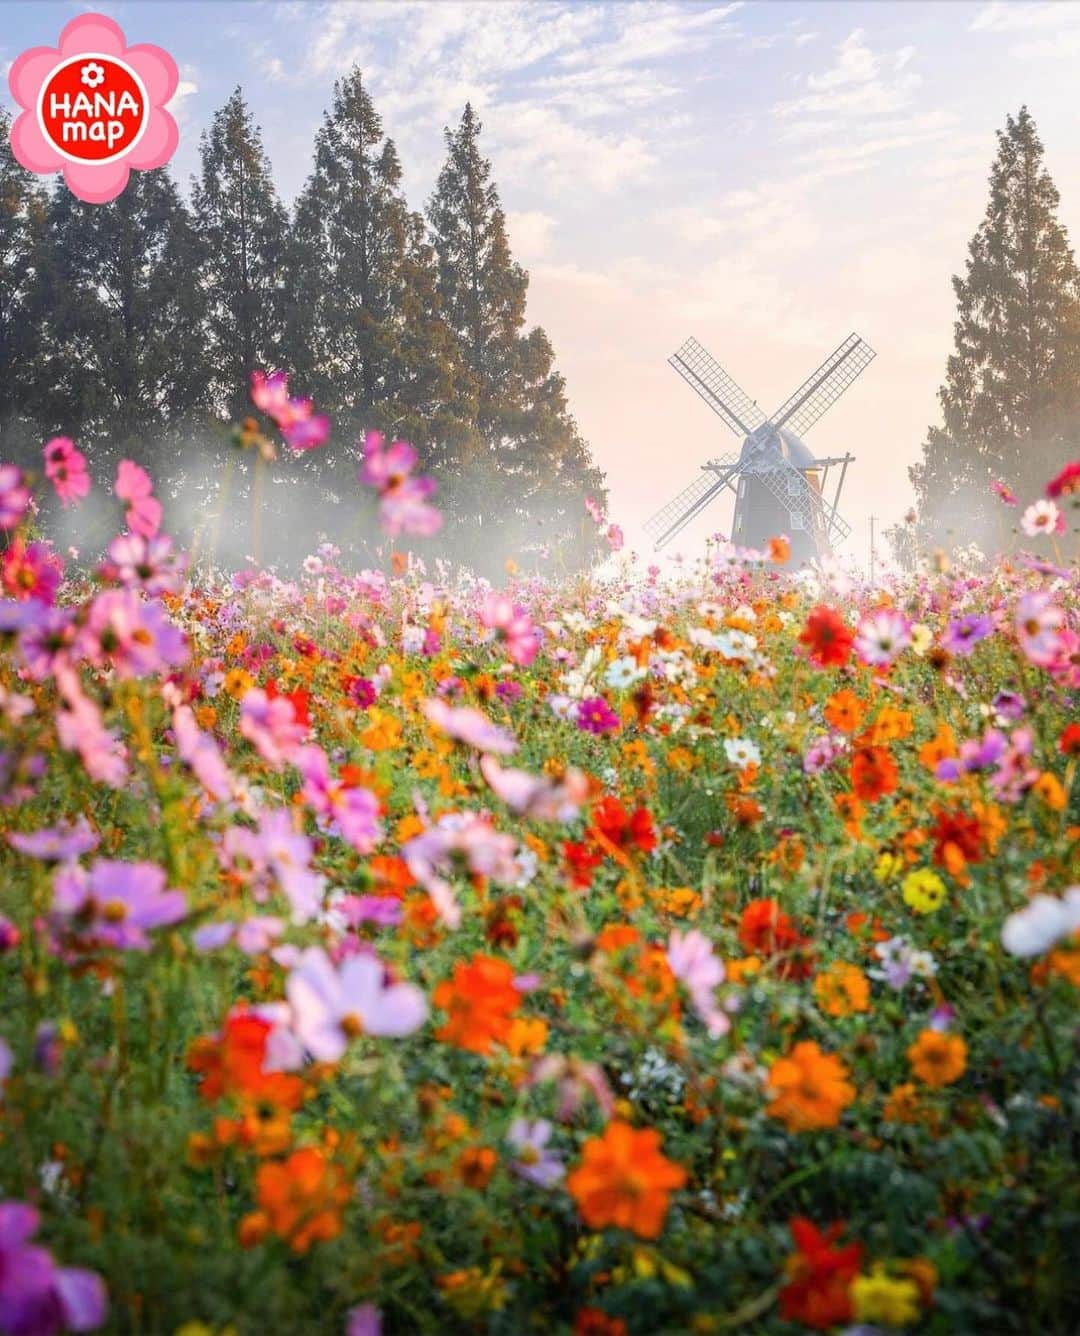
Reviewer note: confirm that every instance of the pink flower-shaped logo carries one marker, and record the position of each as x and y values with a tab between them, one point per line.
93	107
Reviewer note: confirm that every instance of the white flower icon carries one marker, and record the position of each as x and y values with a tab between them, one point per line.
93	74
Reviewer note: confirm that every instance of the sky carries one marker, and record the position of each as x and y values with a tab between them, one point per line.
766	177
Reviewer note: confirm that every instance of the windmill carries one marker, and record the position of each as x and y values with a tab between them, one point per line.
779	485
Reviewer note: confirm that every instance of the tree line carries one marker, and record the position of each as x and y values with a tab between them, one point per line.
133	327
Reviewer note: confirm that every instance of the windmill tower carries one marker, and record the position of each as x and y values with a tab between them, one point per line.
778	483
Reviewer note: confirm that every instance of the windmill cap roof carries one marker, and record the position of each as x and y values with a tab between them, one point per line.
794	450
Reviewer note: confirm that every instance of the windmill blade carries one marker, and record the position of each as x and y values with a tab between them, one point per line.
680	510
817	395
704	374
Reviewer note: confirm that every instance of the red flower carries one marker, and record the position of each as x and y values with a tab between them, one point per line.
1069	742
766	930
299	699
818	1292
873	774
1066	482
581	862
956	834
828	637
623	829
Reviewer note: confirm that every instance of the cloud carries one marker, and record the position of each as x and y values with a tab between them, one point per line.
1041	30
861	82
531	233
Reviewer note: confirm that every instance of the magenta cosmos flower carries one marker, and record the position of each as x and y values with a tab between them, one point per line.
134	485
331	1006
595	715
350	811
115	904
513	625
403	499
131	635
14	496
94	108
37	1297
296	419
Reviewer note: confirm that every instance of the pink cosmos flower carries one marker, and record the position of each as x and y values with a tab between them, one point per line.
403	499
115	904
596	716
37	1297
81	728
1038	627
1042	517
1005	494
201	754
277	853
536	797
14	497
134	486
615	538
31	570
882	636
363	1320
594	510
133	637
300	426
512	624
147	563
469	725
65	467
690	958
45	638
331	1006
350	811
56	844
152	137
462	838
271	726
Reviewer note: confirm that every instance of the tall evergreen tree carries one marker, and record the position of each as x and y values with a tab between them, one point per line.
526	486
366	336
243	227
122	361
1011	398
22	220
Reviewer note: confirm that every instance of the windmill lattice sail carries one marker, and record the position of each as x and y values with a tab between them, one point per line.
778	483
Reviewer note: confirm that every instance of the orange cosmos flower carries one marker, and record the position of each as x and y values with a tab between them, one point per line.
938	1059
844	710
873	774
300	1200
810	1088
842	989
625	1180
481	1001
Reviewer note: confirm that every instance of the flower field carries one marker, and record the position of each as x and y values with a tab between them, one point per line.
683	952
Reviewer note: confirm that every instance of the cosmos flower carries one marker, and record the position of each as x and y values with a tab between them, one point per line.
115	904
1038	626
131	635
351	811
594	715
1065	483
742	753
56	844
1042	517
37	1297
31	571
14	497
1004	493
625	1180
403	499
65	467
536	797
134	486
964	633
271	726
882	636
149	564
513	626
469	725
691	959
827	637
1043	922
300	426
533	1161
331	1006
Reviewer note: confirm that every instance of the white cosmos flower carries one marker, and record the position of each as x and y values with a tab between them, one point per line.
1042	923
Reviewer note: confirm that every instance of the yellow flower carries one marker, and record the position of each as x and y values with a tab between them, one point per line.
923	891
1049	788
237	683
921	638
937	1058
888	865
879	1298
383	732
472	1292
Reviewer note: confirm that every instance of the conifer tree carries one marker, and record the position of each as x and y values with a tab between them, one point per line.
22	220
1011	398
121	361
525	487
366	336
243	227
